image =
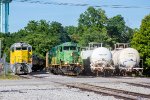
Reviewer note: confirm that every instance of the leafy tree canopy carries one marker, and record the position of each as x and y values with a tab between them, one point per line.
92	18
118	30
141	40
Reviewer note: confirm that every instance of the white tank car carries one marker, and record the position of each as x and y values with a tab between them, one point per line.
101	59
86	54
127	57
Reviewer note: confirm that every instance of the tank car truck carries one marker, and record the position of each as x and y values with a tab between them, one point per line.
65	59
126	60
21	58
85	55
97	59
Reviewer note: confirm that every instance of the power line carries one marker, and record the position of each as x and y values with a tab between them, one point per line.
81	5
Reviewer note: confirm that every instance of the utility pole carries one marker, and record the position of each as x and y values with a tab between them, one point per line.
1	19
0	48
4	15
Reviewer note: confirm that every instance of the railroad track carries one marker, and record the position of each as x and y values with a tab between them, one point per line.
121	94
30	76
138	84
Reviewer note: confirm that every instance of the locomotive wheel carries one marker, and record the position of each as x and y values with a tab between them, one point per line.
60	71
77	70
54	71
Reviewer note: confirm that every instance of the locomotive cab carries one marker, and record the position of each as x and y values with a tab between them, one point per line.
21	58
70	55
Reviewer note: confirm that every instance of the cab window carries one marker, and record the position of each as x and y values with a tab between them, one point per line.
60	49
18	48
66	47
29	49
72	48
13	49
79	49
24	48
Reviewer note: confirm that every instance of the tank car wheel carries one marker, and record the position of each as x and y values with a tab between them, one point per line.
107	73
96	73
117	71
139	73
133	74
110	73
123	73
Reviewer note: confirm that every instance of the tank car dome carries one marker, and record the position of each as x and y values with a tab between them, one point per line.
101	53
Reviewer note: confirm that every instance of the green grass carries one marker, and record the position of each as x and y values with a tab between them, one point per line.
9	77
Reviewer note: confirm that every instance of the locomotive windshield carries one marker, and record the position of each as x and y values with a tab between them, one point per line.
24	48
72	48
69	47
66	47
18	48
21	48
29	49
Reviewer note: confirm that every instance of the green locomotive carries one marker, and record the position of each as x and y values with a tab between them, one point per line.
65	59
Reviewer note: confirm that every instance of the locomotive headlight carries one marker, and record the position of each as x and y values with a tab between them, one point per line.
66	63
72	54
77	63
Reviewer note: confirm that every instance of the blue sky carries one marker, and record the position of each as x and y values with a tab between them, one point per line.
21	13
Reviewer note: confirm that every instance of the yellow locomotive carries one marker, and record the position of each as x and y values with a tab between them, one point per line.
21	58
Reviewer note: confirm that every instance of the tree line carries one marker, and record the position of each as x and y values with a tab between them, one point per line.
93	26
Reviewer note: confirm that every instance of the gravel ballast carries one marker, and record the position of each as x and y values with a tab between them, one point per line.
52	91
47	88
